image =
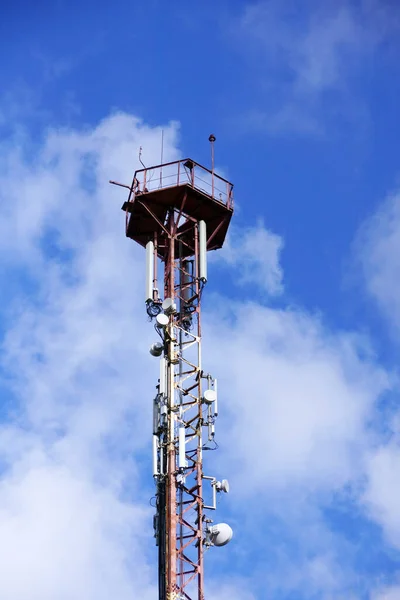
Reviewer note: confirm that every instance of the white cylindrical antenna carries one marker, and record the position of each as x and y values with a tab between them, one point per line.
163	376
216	399
214	489
203	251
149	270
155	456
182	448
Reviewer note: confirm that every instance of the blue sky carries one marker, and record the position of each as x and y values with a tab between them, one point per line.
302	310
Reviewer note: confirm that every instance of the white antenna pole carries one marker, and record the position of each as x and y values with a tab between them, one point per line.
163	389
149	271
203	251
155	458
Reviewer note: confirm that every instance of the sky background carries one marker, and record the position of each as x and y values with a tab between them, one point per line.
302	307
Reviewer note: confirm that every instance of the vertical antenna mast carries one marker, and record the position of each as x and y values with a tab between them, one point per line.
178	224
162	155
211	139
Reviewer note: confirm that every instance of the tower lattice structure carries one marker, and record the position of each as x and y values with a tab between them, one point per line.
179	211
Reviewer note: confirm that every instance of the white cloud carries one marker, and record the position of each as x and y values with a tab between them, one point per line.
383	490
253	255
390	593
234	590
64	537
72	516
311	44
294	396
299	397
307	56
324	577
378	252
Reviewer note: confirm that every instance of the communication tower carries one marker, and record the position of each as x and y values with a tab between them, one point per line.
178	211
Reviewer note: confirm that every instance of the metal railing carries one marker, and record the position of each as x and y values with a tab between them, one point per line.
183	172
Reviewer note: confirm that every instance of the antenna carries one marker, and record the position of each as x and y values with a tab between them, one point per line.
162	155
149	271
203	251
211	139
140	158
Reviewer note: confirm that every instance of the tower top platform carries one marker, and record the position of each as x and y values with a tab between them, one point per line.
183	192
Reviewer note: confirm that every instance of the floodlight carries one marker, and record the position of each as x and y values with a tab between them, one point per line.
162	320
156	349
220	534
